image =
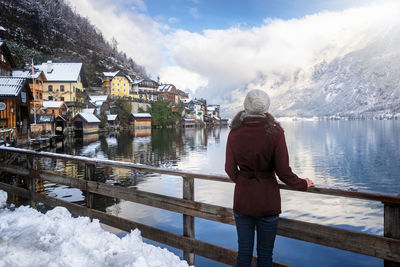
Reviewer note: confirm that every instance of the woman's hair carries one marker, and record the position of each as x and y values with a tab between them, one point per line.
271	125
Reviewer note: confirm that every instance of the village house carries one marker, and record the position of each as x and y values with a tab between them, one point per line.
213	111
140	120
117	83
57	108
197	109
6	61
145	89
36	83
112	121
85	123
100	102
15	98
65	82
169	93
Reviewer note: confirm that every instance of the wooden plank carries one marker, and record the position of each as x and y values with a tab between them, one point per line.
374	196
367	244
188	221
372	245
391	227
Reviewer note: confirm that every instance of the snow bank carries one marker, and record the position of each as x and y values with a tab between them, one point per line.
30	238
3	198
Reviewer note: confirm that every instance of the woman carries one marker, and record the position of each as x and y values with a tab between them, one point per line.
255	151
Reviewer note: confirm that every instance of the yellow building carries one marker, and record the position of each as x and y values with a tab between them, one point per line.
117	84
65	82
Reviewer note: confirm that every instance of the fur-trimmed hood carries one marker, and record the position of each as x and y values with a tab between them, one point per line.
241	115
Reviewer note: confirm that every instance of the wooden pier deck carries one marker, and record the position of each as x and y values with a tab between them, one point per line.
386	247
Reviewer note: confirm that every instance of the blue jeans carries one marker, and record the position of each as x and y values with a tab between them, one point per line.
266	231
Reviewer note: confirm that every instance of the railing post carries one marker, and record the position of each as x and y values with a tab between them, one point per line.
89	176
32	177
188	221
391	226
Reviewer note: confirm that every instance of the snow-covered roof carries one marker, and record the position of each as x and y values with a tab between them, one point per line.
11	86
52	104
141	115
110	74
96	98
88	110
165	87
111	117
115	73
89	117
66	72
137	81
27	74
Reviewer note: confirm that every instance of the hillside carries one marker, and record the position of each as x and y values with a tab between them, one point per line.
50	30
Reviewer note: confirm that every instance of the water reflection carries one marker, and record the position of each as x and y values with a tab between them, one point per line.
344	154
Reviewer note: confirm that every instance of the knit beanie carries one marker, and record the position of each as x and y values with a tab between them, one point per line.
256	102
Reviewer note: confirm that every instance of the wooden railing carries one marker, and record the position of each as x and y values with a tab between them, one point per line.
386	247
7	135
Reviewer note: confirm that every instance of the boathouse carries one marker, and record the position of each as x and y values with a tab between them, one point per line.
15	98
112	121
60	124
142	120
188	122
85	123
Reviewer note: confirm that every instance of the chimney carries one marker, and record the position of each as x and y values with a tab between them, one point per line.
49	66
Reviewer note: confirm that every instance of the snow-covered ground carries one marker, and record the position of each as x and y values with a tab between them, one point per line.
30	238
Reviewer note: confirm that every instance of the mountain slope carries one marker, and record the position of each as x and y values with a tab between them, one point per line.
363	82
50	30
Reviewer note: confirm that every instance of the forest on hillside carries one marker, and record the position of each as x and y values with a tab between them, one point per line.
50	30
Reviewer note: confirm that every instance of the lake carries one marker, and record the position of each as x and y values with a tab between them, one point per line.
362	155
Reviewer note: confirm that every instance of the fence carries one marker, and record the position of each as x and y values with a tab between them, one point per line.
386	247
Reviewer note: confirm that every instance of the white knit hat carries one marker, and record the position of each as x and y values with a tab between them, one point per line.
256	102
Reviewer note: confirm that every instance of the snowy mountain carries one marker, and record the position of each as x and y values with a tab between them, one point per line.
51	30
363	83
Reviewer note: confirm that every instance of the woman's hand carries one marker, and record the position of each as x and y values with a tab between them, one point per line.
310	183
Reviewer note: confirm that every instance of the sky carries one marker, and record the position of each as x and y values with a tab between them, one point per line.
221	49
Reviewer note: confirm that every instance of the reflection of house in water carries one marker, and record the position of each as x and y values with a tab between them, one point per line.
195	137
142	132
142	150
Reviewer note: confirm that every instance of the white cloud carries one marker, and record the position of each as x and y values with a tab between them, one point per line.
222	65
173	20
182	78
279	54
194	12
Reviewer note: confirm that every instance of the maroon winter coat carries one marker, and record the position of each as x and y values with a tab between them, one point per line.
252	159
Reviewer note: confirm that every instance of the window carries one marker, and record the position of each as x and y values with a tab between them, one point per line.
62	88
40	96
52	111
50	97
50	88
62	98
